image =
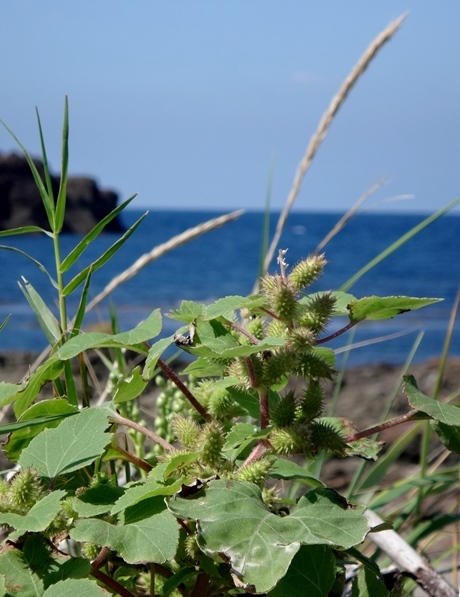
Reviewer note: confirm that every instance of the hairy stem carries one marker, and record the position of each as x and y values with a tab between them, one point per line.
150	434
353	437
264	409
337	333
183	388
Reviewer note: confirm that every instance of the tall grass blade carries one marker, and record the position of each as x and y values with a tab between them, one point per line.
46	199
49	184
446	347
324	124
70	287
5	322
78	321
62	195
397	244
46	319
86	241
40	266
24	230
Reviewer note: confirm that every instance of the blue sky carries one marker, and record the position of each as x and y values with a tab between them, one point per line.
188	103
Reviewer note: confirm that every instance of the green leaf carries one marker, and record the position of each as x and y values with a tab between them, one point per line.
375	307
187	312
448	434
74	444
100	261
312	573
94	233
62	194
129	387
233	520
47	200
8	391
241	437
97	500
74	587
46	319
81	311
151	488
49	184
288	470
151	539
368	583
23	230
37	518
45	414
47	371
227	305
19	578
155	352
444	413
40	266
203	367
147	329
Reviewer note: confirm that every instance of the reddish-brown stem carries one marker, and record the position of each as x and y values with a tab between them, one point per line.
241	329
337	334
353	437
264	409
268	312
150	434
256	454
112	583
201	583
183	388
143	464
251	372
101	558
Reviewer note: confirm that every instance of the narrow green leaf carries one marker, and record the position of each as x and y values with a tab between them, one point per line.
233	520
71	388
19	577
46	199
75	443
46	319
49	185
5	322
37	518
47	371
40	266
78	321
79	278
151	539
397	244
62	194
375	307
24	230
75	587
312	572
92	234
444	413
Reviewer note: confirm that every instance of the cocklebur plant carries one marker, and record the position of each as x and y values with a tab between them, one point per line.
208	516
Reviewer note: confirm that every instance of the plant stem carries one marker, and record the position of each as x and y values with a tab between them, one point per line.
338	333
150	434
183	388
60	283
112	583
264	408
139	462
201	583
241	329
353	437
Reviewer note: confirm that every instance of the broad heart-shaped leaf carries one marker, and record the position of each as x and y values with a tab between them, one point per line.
19	578
286	469
75	587
225	306
37	518
129	387
97	500
147	329
75	443
444	413
150	539
385	307
44	414
232	519
312	572
448	434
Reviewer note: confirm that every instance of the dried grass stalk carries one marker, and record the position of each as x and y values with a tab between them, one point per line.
323	128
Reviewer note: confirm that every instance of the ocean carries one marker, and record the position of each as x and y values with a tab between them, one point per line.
225	261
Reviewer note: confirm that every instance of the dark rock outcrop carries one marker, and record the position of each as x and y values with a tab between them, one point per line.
21	205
